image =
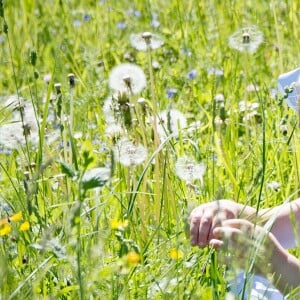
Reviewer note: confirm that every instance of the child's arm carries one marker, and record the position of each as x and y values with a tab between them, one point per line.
206	217
238	234
286	227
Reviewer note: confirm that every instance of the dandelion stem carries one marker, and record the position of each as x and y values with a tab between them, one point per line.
277	37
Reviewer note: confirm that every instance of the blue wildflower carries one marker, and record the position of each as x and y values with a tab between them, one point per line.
192	74
121	25
155	23
87	17
171	92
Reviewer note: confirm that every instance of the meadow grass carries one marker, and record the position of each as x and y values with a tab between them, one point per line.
120	232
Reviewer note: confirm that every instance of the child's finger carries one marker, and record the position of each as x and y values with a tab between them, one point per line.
194	229
204	229
216	244
241	224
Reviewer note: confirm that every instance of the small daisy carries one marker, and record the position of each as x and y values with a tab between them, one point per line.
246	39
130	154
127	78
186	168
146	40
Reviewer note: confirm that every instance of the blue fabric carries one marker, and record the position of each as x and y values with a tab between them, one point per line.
286	80
257	288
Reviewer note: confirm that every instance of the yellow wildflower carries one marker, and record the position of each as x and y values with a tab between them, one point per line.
16	217
118	225
176	253
3	221
133	258
24	226
5	229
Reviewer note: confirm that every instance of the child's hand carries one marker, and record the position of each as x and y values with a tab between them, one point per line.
204	218
243	240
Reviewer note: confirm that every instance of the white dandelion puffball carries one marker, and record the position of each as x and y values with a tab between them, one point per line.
22	123
109	110
186	168
144	41
129	154
170	122
127	78
246	39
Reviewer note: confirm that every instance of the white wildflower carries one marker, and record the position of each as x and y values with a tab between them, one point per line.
252	88
247	106
219	98
145	40
246	39
109	110
114	130
170	122
127	78
186	168
22	123
273	185
129	154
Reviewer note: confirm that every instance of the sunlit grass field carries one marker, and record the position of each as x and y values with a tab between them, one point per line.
99	172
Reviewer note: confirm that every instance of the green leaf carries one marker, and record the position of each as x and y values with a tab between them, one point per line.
96	177
67	169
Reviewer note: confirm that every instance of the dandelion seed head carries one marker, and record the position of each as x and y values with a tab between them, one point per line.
22	122
130	72
186	168
145	40
114	130
170	122
246	39
156	65
129	154
109	108
273	185
47	78
219	98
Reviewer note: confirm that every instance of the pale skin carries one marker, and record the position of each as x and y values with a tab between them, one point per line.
227	223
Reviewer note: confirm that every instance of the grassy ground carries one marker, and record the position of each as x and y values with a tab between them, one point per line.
120	233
